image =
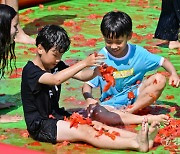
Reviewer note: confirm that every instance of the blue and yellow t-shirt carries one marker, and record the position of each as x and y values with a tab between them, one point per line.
130	68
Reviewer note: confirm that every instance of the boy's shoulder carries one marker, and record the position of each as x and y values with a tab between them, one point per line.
28	65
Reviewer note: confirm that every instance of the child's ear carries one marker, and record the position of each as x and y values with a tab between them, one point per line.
40	49
130	35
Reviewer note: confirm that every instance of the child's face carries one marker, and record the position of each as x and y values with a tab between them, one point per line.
117	47
14	29
51	58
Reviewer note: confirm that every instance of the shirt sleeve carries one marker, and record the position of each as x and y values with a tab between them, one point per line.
33	75
151	61
94	82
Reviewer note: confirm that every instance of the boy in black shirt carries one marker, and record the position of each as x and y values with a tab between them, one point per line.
40	92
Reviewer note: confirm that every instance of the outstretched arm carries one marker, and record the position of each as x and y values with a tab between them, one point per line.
62	76
174	78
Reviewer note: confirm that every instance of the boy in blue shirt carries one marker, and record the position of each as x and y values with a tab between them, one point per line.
131	62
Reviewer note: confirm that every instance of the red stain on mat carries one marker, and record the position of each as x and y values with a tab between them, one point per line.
141	26
169	97
16	73
36	143
153	49
167	135
94	16
63	7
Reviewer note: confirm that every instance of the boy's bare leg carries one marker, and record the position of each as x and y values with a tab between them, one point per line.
174	44
87	134
10	118
149	92
21	37
129	118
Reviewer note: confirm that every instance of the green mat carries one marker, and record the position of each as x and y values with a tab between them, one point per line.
81	19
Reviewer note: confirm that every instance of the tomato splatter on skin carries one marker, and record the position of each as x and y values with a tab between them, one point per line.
172	84
155	81
153	96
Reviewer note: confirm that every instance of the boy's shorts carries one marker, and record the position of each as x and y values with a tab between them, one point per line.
46	131
121	100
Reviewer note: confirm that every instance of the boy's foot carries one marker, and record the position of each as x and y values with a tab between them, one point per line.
162	118
10	118
174	44
163	43
153	130
25	39
142	137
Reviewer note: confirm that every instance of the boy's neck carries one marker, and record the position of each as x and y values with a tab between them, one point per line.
37	61
125	51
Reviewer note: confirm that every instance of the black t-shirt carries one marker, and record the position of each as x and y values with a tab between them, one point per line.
40	100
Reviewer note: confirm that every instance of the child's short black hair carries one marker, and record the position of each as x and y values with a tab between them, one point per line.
53	36
115	24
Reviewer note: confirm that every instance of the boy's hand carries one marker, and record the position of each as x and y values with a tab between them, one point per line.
174	80
91	101
94	59
97	72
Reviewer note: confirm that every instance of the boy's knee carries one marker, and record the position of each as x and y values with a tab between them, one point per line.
161	80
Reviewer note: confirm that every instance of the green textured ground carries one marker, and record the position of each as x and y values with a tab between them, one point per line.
81	19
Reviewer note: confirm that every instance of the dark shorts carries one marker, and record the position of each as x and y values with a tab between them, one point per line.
46	131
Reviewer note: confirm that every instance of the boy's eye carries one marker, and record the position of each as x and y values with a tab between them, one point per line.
118	42
109	42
